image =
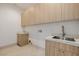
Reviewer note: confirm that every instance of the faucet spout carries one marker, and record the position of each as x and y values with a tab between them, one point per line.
63	33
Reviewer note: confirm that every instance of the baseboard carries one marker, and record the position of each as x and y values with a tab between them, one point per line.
3	47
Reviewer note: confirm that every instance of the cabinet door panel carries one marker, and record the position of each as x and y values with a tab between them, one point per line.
28	17
70	11
62	49
42	13
47	48
52	48
76	11
67	11
75	51
52	51
24	19
55	46
51	12
57	52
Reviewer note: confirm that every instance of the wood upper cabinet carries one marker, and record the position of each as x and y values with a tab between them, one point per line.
50	12
76	11
27	17
70	11
42	13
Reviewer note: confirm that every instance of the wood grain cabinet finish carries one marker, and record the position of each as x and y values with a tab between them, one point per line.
22	39
51	12
70	11
53	48
42	13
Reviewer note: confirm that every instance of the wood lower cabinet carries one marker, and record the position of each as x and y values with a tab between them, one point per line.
53	48
22	39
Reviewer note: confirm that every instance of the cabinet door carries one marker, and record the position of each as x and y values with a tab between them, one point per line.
56	12
70	11
57	49
75	51
38	14
42	13
62	49
49	12
71	50
24	19
52	48
68	50
47	48
76	11
67	11
27	17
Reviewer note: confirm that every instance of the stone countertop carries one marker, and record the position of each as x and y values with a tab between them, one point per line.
22	33
74	43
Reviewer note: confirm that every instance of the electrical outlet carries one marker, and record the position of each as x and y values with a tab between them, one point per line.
40	30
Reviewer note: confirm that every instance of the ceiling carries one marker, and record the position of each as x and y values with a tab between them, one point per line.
21	6
24	6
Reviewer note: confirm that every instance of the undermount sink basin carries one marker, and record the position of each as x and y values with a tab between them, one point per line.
69	39
56	37
65	38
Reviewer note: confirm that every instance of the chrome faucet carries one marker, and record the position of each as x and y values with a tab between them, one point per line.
63	33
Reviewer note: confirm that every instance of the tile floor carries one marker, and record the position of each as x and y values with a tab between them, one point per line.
28	50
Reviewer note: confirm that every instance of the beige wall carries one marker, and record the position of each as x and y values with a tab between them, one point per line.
10	24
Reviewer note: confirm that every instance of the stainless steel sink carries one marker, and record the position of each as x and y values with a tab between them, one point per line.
69	39
64	38
56	37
